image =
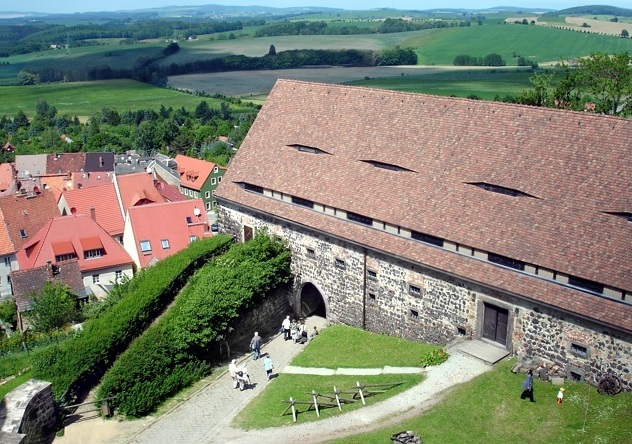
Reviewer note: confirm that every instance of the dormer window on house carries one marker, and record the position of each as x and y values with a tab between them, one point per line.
216	169
63	251
65	257
302	202
307	149
91	254
355	217
254	188
623	214
499	189
387	166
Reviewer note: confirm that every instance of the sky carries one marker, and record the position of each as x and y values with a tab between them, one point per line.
71	6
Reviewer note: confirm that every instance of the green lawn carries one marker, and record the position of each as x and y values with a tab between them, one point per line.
87	98
14	383
357	348
488	410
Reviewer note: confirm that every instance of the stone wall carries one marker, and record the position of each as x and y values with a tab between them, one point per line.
373	291
29	410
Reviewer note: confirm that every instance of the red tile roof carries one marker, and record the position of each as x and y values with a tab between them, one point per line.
87	179
193	172
7	176
57	163
103	200
78	233
167	221
169	192
23	212
575	165
137	189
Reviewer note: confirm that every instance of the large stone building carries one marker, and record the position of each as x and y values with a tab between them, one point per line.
431	217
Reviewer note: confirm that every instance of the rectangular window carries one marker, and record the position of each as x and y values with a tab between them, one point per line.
302	202
506	261
579	350
23	233
164	243
91	254
64	257
370	274
219	179
195	194
355	217
118	274
253	188
192	238
208	206
216	169
340	264
422	237
593	286
95	278
311	253
414	314
213	181
145	246
213	192
207	194
189	220
7	261
414	290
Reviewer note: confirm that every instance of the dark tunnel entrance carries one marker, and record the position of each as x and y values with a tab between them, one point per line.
312	302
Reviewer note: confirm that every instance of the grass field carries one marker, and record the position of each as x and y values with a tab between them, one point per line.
84	99
488	410
537	43
14	383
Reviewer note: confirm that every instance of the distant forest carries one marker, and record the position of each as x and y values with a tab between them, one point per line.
592	10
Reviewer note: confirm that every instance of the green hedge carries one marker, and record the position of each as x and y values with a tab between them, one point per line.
171	354
80	362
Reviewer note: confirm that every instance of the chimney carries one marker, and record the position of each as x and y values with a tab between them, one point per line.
93	214
49	269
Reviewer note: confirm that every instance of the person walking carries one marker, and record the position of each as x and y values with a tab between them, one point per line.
286	327
560	395
527	386
255	346
268	366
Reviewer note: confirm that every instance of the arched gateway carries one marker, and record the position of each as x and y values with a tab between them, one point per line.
312	302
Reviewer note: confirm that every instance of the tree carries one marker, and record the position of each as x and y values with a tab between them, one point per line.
540	94
272	50
625	33
53	308
609	81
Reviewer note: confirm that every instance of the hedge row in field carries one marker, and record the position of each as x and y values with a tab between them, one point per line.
171	354
80	362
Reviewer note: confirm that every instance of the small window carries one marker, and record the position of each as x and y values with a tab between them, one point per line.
414	314
195	194
23	233
340	264
7	261
213	181
213	192
593	286
145	246
189	220
208	206
355	217
216	169
579	350
95	278
164	243
219	179
118	274
64	257
254	188
311	253
91	254
414	290
370	274
192	238
302	202
207	194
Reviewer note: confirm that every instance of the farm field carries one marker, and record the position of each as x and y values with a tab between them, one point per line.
537	43
84	99
444	80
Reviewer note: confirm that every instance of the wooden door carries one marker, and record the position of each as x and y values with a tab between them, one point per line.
247	233
495	324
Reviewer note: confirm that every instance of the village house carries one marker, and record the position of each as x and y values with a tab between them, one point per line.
433	218
199	179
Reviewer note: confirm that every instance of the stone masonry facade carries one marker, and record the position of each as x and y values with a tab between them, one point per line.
29	416
384	294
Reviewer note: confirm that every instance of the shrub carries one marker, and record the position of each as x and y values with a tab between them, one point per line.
82	361
434	357
171	354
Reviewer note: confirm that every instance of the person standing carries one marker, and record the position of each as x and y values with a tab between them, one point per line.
527	387
560	395
286	327
232	370
255	346
268	366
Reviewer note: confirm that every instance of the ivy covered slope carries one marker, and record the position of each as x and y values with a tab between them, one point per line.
80	362
172	353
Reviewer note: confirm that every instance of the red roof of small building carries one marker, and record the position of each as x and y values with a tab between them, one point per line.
25	214
137	189
98	200
193	172
58	163
73	234
7	176
173	222
87	179
169	192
